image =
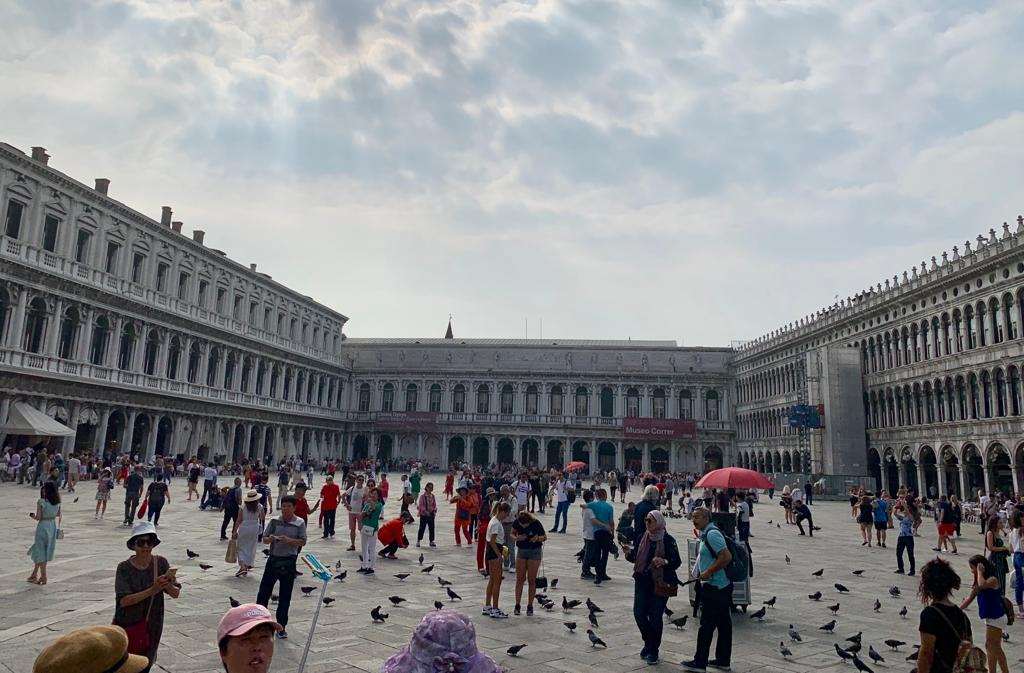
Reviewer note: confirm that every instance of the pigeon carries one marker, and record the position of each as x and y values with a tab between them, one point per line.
794	635
443	582
858	573
594	640
427	569
307	590
770	522
816	596
759	615
834	608
875	656
191	554
438	605
233	602
337	566
894	644
514	650
328	600
860	665
840	588
783	650
855	638
778	526
787	559
452	595
401	576
680	623
913	655
341	576
570	625
854	649
569	605
828	627
818	573
894	591
878	605
770	602
396	600
592	606
378	616
593	620
554	583
1006	636
421	559
843	654
903	612
76	499
205	566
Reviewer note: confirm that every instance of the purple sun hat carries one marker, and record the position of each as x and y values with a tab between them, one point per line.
444	642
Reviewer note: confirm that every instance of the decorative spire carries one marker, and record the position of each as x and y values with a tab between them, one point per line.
448	333
991	235
1020	224
967	247
956	252
945	257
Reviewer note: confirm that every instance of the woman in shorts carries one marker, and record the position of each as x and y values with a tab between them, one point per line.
991	609
865	517
494	556
103	488
529	535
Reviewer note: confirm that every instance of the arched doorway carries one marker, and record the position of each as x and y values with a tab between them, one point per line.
269	449
659	459
581	451
85	433
875	468
254	443
891	471
481	451
798	463
606	456
787	462
951	471
407	446
506	451
999	471
115	431
712	458
530	453
164	436
385	447
909	466
554	449
360	447
634	458
456	450
238	444
432	450
140	437
974	471
930	488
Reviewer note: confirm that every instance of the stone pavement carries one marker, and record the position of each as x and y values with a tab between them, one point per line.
80	592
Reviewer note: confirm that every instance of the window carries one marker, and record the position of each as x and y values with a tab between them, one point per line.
556	401
267	318
50	228
711	405
435	398
582	401
98	347
411	395
15	211
194	360
68	334
138	263
110	266
658	403
483	399
183	281
204	288
531	400
506	399
280	323
221	294
632	403
253	307
35	326
173	357
607	402
387	398
236	309
151	352
364	397
459	399
161	276
213	364
685	405
127	348
82	246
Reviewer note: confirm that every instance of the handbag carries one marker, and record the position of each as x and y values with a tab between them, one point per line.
661	587
542	581
231	555
138	633
60	525
142	509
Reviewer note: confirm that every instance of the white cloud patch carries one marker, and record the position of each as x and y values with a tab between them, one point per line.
697	171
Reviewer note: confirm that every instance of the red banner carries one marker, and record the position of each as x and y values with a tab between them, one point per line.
407	420
658	428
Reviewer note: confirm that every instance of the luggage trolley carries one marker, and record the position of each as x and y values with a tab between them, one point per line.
725	522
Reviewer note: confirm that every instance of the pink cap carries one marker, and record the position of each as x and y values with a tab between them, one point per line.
239	621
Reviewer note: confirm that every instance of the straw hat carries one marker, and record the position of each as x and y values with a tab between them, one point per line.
252	495
96	649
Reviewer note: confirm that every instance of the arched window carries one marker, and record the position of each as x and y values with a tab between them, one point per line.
435	398
274	375
68	333
531	400
287	387
507	398
986	394
35	326
195	359
151	352
969	326
711	405
229	376
214	364
685	404
483	399
246	373
100	338
658	403
310	387
607	402
555	407
1000	386
5	311
173	357
127	347
387	398
1011	326
632	403
582	401
411	397
261	375
459	399
364	398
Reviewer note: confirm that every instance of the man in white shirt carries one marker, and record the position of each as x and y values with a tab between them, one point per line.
588	537
74	465
562	504
523	490
209	483
353	500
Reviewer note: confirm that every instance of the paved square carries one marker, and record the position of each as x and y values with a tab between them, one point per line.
80	592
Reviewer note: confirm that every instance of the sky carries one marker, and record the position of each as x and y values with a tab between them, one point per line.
696	171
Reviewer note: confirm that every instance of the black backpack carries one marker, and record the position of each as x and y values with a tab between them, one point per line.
738	568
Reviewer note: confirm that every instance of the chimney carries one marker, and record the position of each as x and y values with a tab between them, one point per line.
102	185
165	216
252	267
40	155
176	226
197	235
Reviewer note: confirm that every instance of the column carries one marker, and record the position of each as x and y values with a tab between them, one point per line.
81	350
69	442
492	450
139	358
246	439
101	432
988	486
18	323
940	477
645	465
620	461
154	426
445	461
53	329
129	432
5	409
542	452
921	485
419	446
1014	469
672	448
963	481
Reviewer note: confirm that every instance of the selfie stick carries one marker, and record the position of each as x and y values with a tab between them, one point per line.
322	573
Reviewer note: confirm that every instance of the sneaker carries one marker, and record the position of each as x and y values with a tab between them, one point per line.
517	611
692	666
910	574
651	659
898	572
282	634
361	570
529	610
499	614
417	543
486	612
721	667
351	548
369	571
432	544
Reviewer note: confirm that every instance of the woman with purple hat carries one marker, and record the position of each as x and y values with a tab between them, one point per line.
444	642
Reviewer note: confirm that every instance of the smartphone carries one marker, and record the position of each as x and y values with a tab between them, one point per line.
172	573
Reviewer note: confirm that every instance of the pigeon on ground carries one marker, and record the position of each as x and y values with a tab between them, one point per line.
443	582
593	620
778	526
401	576
875	656
337	566
903	612
592	606
570	625
594	640
307	590
233	602
680	623
858	573
341	576
860	665
816	596
794	635
770	522
438	605
913	655
854	648
421	559
783	650
894	591
855	638
378	616
787	559
514	650
75	500
427	569
554	583
894	644
205	566
843	654
818	573
770	602
840	588
452	595
878	605
191	554
759	615
830	627
328	600
834	608
569	605
396	600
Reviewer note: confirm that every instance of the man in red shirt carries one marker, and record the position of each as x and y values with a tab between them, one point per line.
330	495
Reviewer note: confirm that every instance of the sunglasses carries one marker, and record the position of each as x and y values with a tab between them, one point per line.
144	542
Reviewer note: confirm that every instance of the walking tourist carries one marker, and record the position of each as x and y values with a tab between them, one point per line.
715	596
529	535
991	608
998	552
426	509
1017	545
648	504
561	495
946	525
286	536
73	467
245	639
463	503
194	471
47	518
880	513
246	532
157	495
140	584
802	513
369	522
230	503
330	496
905	540
209	484
655	561
94	649
353	500
104	485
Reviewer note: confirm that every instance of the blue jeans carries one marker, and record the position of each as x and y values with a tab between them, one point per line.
1018	567
562	510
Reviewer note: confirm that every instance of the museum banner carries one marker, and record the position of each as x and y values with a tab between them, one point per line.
407	420
658	428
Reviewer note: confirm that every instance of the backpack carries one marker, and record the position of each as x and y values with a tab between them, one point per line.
969	657
738	568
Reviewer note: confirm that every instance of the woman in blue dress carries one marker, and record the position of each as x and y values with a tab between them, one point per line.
46	515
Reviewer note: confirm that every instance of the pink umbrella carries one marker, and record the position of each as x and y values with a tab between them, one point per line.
575	465
734	477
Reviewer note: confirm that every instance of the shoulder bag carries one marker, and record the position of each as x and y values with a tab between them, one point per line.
661	587
138	633
969	657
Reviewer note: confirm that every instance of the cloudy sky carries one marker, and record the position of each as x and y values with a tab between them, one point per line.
698	171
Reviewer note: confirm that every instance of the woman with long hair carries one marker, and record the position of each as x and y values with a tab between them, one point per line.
530	537
998	552
990	607
943	625
246	532
1017	545
46	516
864	519
494	556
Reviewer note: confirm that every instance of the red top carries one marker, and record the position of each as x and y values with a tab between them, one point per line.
330	494
392	532
301	508
660	486
384	487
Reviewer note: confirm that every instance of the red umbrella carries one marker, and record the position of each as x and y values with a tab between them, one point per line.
734	477
575	465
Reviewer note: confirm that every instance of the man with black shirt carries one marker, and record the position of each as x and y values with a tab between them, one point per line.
231	504
286	536
132	493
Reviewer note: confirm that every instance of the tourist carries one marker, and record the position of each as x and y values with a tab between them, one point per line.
209	484
742	517
194	470
104	485
801	513
94	649
648	504
715	596
330	496
561	495
462	503
991	609
443	641
369	522
958	512
266	497
383	489
880	516
392	535
139	587
945	524
426	509
157	495
302	509
943	625
286	536
245	639
230	503
655	561
624	529
246	532
507	520
905	540
353	500
587	533
73	467
529	536
494	558
449	485
1017	545
133	484
998	552
786	503
283	478
481	535
47	517
406	493
415	480
522	491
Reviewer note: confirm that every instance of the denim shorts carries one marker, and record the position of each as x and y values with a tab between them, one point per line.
530	554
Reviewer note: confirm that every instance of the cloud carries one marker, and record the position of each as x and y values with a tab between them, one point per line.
621	168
